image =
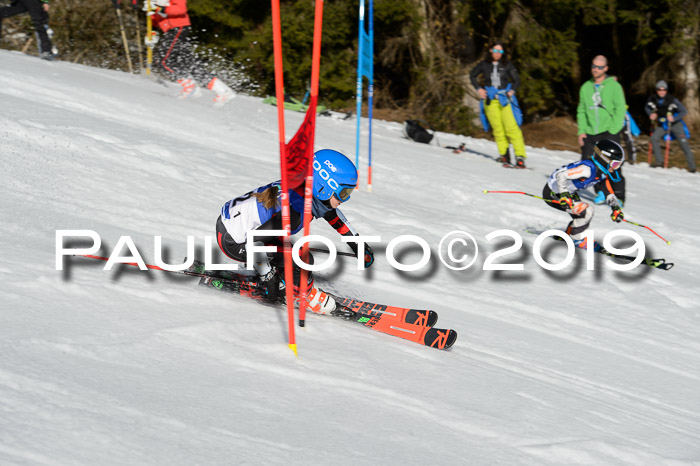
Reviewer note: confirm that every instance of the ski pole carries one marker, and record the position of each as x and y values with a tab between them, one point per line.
138	40
651	133
117	7
668	140
149	35
486	191
644	226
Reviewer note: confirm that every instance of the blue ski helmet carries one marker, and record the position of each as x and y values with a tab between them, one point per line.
334	173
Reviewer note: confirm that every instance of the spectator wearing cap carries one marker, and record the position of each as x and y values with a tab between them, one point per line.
668	110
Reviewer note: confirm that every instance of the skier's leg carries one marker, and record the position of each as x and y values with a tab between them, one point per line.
167	51
319	301
656	136
9	11
679	132
513	132
39	16
493	113
580	221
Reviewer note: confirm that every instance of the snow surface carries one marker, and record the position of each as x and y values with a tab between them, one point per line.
130	367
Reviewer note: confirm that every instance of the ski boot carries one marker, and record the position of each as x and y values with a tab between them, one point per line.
224	94
190	88
505	159
321	302
520	162
583	244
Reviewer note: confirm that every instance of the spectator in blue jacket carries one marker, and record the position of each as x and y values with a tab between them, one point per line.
668	110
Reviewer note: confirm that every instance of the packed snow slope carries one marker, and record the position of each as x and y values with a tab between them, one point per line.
129	367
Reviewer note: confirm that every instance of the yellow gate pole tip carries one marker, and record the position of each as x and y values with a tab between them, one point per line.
293	347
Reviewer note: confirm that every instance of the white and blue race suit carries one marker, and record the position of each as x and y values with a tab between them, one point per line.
570	179
246	213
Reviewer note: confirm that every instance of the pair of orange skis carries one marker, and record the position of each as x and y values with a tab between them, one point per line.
410	324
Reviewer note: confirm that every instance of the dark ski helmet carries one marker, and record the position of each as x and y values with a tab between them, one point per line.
334	173
610	153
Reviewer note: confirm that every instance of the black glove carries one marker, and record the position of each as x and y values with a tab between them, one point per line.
369	254
617	215
565	200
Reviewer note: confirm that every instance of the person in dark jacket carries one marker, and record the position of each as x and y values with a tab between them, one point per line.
667	109
500	82
175	53
39	12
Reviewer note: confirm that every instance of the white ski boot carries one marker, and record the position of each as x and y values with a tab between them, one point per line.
320	302
190	89
224	94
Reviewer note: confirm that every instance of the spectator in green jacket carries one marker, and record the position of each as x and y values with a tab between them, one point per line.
601	115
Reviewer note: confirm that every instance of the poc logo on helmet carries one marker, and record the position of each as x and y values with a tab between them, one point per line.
330	165
323	173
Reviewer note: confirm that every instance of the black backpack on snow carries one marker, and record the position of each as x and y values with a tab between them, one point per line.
415	132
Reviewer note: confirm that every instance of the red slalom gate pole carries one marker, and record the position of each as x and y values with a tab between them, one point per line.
308	190
286	224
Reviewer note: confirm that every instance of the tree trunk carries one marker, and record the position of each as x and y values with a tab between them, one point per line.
688	57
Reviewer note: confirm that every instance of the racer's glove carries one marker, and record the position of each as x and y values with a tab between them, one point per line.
565	200
617	215
152	40
369	254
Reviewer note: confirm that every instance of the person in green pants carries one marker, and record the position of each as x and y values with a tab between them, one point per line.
500	82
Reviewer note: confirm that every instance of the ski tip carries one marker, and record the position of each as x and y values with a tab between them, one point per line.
451	338
440	338
432	318
293	347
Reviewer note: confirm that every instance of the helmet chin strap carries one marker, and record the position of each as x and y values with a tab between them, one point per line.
605	170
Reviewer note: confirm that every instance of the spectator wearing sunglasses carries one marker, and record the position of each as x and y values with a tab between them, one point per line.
667	109
601	115
500	82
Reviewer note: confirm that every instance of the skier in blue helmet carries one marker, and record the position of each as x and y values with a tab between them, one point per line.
560	192
335	178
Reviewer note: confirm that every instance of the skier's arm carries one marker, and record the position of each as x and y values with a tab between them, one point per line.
573	173
337	220
474	75
173	7
275	222
581	117
680	108
650	106
620	107
514	78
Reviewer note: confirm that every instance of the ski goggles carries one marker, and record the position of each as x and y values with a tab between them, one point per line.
598	67
498	51
614	164
343	193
